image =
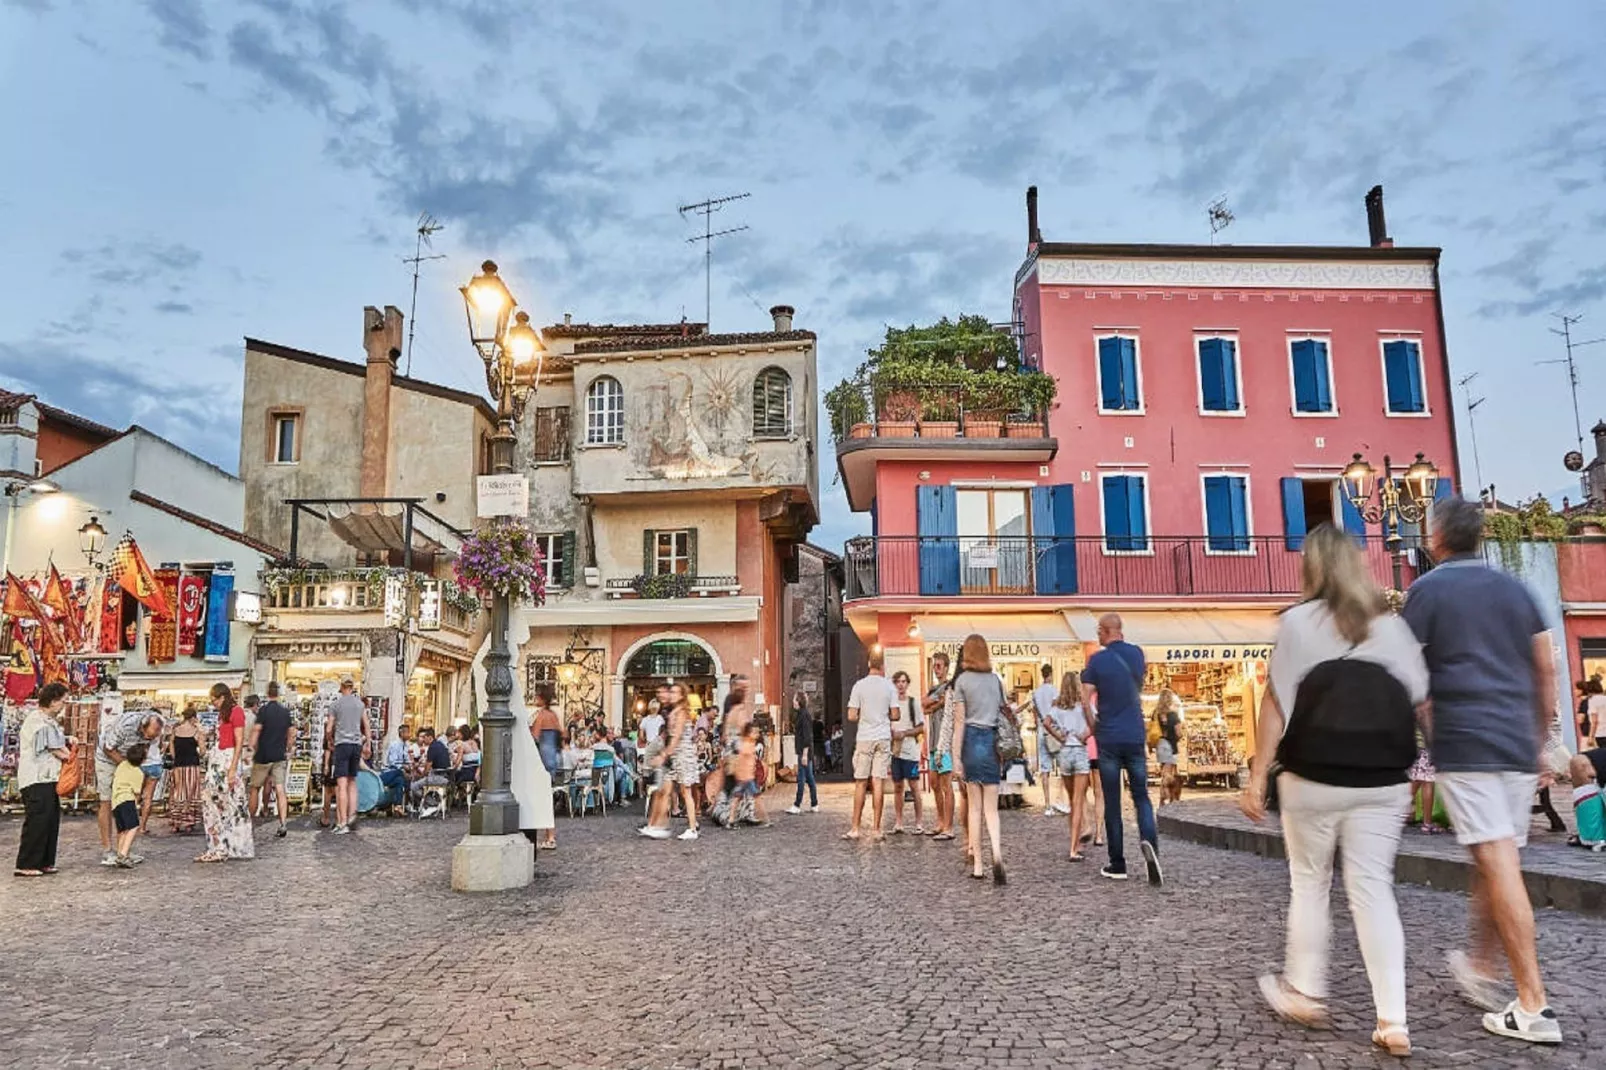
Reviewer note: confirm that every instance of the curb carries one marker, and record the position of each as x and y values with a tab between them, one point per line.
1559	891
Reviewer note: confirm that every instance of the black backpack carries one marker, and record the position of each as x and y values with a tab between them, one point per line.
1353	725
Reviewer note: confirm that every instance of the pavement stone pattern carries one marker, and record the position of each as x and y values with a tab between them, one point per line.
774	947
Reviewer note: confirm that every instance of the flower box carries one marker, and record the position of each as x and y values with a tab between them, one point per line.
862	430
896	429
1023	429
939	428
979	426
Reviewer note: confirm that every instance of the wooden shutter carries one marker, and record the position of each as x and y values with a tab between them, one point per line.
568	557
1054	538
649	552
937	520
691	553
1110	373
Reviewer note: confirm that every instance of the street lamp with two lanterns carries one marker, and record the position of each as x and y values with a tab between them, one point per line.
1403	501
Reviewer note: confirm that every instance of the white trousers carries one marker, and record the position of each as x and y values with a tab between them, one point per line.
1365	823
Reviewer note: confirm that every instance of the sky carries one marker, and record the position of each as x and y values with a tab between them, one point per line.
178	175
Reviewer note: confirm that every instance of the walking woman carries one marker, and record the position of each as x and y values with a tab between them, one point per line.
1345	676
184	790
680	755
979	704
1066	721
547	731
42	747
223	795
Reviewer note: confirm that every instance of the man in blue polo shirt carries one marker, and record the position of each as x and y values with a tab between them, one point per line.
1112	684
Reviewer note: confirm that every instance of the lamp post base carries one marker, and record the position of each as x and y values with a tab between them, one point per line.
492	863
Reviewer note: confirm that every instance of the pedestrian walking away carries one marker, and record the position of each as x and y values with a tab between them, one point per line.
872	705
184	744
1066	724
980	709
42	747
223	794
803	744
350	715
1347	681
1493	687
1043	699
1112	688
938	706
908	743
272	740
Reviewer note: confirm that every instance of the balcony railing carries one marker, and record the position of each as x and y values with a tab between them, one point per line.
360	591
1086	565
941	412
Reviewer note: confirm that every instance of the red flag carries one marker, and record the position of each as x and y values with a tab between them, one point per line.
130	572
111	618
191	612
161	634
18	602
58	596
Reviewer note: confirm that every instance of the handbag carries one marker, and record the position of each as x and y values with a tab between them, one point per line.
72	775
1154	730
1006	740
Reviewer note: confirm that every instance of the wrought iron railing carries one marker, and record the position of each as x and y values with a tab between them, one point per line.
1138	566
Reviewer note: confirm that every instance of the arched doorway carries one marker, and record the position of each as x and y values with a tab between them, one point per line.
664	658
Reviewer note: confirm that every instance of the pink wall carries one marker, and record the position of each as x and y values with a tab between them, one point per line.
896	482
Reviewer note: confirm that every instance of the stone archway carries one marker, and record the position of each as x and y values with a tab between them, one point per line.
721	677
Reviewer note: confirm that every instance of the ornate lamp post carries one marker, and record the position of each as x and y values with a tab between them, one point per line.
1405	501
91	539
512	356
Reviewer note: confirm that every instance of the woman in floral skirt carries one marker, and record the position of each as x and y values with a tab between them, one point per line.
223	796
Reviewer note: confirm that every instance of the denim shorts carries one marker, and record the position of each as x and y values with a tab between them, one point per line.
745	789
979	753
942	763
152	771
1165	752
1072	761
905	769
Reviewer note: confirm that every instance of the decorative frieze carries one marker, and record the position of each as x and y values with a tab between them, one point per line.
1234	274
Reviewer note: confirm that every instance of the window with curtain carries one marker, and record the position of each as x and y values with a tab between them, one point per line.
557	551
1119	389
994	547
1218	375
672	552
1226	506
605	412
772	404
1402	377
1313	388
1126	514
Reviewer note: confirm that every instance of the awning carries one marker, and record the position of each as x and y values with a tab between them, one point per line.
1046	629
179	681
377	528
1187	634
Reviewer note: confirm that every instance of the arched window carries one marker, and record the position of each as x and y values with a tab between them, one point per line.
772	404
605	411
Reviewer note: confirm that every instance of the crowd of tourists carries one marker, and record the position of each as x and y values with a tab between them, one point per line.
704	763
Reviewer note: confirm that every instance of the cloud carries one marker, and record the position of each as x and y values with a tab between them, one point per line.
172	308
134	264
183	27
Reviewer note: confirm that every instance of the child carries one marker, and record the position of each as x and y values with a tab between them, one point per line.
1589	810
127	783
747	776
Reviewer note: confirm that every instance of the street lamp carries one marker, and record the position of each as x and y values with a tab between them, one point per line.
1405	501
91	538
512	357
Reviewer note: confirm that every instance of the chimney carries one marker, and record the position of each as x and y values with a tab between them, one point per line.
1377	228
382	340
568	319
1034	237
783	318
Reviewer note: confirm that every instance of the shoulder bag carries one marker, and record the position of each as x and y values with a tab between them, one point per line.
1006	740
72	774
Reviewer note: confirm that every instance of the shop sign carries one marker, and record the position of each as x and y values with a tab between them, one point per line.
502	495
395	601
999	651
982	555
429	606
429	659
247	607
1209	652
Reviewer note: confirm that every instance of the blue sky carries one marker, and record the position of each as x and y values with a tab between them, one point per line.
180	174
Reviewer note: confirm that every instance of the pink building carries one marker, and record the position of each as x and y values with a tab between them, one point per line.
1209	397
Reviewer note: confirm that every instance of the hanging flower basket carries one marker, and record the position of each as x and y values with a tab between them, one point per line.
502	557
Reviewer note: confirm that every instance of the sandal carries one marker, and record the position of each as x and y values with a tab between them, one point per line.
1078	858
28	873
1392	1039
942	836
212	856
1291	1005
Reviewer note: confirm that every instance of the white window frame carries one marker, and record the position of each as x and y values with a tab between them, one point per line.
598	411
1148	516
1326	338
1249	512
1098	374
547	541
657	551
1421	373
1237	372
294	420
791	422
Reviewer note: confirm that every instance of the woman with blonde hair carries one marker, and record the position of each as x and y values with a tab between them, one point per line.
1066	721
1345	676
979	706
1168	725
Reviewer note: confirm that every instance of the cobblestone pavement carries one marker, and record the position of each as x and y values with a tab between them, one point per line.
769	947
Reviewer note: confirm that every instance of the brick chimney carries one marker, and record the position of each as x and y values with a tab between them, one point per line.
1376	226
382	340
1034	237
783	317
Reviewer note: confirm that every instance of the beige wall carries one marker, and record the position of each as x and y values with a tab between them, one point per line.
619	538
435	448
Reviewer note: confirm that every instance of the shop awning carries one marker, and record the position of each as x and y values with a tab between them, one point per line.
1174	629
1042	628
179	681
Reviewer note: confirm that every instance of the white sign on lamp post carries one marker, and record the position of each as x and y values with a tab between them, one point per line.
502	495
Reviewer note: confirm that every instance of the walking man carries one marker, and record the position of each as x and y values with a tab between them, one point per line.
272	739
1043	701
803	743
871	705
350	718
1113	685
132	727
1493	692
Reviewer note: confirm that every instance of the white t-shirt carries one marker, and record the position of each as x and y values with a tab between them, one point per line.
873	696
1597	715
909	746
1306	637
652	726
1071	723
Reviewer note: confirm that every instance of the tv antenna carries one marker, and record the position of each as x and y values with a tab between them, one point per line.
427	227
1566	334
1220	216
1465	384
706	209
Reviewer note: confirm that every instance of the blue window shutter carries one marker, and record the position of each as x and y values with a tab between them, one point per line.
1354	524
937	516
1305	377
1324	388
1110	373
1294	524
1402	377
1218	513
1212	388
1236	497
1117	533
1443	489
1413	367
1054	537
1229	374
1137	523
1130	398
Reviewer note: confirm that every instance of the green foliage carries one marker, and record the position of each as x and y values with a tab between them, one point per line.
663	585
373	579
848	406
1532	521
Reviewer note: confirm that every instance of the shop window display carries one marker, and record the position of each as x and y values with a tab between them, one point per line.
1219	703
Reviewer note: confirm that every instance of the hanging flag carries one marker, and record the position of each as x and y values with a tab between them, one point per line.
111	619
18	603
130	572
20	677
60	598
191	613
217	614
161	635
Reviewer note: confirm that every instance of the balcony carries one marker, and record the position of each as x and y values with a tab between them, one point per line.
914	566
362	598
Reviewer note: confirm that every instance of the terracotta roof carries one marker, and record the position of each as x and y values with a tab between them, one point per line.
334	364
611	330
12	400
208	525
703	341
50	412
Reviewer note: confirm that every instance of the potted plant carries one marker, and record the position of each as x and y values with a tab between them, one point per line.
898	411
989	397
849	410
1022	426
501	557
939	414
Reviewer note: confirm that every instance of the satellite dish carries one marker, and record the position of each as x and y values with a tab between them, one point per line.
1574	461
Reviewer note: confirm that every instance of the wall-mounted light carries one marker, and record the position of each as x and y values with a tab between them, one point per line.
913	631
91	540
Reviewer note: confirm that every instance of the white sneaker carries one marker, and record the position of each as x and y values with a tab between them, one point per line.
653	832
1064	811
1049	811
814	809
794	810
1480	991
342	830
689	834
108	858
1541	1028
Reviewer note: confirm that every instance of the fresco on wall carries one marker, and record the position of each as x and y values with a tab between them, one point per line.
694	426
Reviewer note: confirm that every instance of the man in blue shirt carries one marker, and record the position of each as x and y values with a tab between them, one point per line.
1113	684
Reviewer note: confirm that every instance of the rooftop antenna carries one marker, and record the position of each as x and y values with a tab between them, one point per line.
706	209
427	226
1465	384
1566	334
1220	216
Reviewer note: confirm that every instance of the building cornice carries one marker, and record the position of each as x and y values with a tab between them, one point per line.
1238	273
